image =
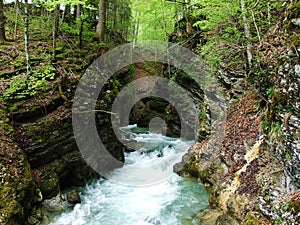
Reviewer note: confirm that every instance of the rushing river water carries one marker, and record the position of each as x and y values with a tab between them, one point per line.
173	201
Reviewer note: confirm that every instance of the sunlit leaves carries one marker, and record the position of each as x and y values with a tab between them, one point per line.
156	18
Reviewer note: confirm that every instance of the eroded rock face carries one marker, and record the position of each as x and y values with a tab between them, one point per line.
286	104
48	140
180	119
239	171
53	153
45	134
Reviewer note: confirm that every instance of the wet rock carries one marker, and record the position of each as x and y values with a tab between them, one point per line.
209	216
32	220
73	197
73	170
48	181
226	220
152	220
296	21
36	216
53	204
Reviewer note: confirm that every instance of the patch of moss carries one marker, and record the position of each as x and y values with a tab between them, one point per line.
294	10
250	220
17	192
294	205
14	107
295	40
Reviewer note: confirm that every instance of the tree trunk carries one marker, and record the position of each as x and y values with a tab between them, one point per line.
80	33
55	28
247	33
2	22
16	19
26	37
136	27
78	11
100	30
115	13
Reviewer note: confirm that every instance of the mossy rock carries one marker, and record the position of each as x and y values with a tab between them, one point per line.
48	182
226	219
17	192
294	205
250	220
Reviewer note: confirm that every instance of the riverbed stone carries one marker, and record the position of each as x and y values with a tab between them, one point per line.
73	197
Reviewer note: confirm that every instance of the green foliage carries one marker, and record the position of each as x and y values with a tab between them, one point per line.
156	18
224	35
270	91
288	155
265	124
219	19
51	4
46	72
119	16
250	220
217	14
277	127
20	87
71	29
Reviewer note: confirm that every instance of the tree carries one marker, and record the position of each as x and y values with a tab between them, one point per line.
247	32
55	28
26	37
100	30
2	22
118	18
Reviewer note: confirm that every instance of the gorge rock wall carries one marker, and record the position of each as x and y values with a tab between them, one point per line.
17	186
40	149
252	174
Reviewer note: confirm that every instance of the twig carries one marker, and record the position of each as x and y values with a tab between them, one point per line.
61	93
9	141
98	110
296	50
255	4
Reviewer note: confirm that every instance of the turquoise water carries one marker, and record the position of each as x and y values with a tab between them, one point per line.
172	200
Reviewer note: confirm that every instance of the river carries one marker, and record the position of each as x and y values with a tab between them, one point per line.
171	201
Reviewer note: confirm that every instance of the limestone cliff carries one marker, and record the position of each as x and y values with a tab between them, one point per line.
253	173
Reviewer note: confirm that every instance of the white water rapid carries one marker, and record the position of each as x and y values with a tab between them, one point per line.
171	201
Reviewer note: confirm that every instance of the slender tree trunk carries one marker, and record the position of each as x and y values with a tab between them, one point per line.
136	26
100	30
16	18
78	11
256	27
247	33
55	28
115	13
269	14
80	33
43	11
2	22
26	37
